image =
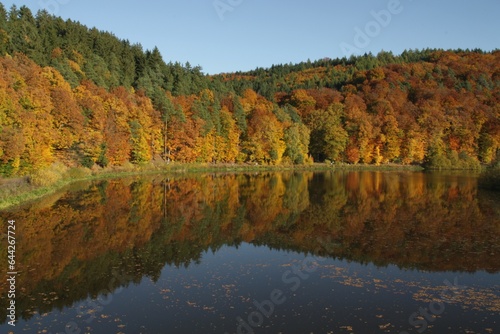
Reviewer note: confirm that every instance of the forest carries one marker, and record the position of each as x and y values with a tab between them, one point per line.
82	97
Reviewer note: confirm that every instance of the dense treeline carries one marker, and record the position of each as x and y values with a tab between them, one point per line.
84	97
78	52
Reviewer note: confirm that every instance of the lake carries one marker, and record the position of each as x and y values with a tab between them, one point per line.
292	252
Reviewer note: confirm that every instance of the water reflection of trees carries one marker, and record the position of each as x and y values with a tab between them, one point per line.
430	222
78	243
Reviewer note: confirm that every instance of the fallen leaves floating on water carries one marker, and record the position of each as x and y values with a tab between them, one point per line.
468	297
349	328
384	326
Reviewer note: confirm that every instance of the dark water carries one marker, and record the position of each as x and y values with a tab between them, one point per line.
346	252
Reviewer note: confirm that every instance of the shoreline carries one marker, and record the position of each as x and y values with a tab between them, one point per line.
18	191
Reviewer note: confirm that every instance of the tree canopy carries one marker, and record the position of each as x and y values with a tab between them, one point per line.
83	97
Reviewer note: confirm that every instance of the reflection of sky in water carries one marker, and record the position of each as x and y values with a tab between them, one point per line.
434	222
337	295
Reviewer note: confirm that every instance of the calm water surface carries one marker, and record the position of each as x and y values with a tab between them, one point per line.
339	252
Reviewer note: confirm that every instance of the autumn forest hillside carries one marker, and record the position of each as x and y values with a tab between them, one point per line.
82	97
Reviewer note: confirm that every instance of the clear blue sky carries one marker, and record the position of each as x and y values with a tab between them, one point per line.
245	34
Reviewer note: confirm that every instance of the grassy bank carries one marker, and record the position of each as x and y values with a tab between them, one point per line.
15	191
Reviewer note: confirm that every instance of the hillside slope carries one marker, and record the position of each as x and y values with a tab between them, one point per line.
83	97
